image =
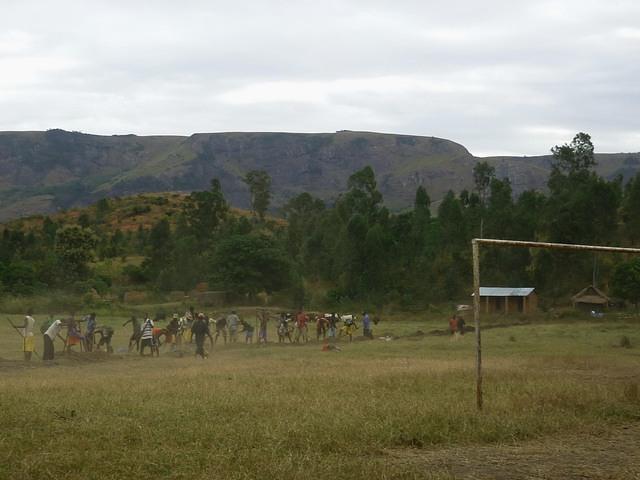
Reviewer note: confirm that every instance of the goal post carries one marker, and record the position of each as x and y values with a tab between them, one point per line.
475	247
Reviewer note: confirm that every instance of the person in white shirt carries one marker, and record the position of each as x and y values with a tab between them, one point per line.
146	336
49	335
232	321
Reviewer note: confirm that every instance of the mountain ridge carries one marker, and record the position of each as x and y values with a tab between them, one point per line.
46	171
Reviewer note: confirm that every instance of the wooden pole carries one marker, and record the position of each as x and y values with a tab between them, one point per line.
476	320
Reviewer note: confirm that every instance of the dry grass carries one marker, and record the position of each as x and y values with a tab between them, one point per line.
602	454
377	409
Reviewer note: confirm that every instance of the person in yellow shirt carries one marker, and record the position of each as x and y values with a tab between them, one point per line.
28	340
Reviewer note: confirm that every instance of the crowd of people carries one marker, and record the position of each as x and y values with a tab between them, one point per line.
94	336
194	328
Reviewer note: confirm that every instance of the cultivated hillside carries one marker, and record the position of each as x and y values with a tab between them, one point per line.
42	172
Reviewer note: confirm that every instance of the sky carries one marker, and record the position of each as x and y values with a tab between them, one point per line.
500	77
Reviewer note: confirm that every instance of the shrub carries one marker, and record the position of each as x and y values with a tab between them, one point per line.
624	342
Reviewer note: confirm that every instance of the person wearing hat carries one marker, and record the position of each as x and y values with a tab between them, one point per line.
28	340
51	333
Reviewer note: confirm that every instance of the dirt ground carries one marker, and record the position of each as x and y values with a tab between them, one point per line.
613	454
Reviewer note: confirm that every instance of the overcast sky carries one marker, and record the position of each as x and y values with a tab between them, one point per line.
500	77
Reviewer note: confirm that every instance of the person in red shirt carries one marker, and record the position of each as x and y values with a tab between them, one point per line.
301	326
453	324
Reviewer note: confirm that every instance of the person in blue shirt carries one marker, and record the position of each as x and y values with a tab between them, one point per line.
91	327
366	325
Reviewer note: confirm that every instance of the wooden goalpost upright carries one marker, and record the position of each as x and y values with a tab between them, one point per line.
475	246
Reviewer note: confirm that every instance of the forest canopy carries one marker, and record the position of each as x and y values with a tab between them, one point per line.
355	248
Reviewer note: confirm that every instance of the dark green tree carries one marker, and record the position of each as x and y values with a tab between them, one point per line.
483	175
49	228
301	212
452	225
84	220
205	211
499	209
103	208
575	157
250	264
362	197
160	245
581	208
631	210
626	281
259	183
75	249
420	219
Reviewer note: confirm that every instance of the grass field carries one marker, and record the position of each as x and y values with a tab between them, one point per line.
561	401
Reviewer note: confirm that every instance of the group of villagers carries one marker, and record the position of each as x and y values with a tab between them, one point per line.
192	327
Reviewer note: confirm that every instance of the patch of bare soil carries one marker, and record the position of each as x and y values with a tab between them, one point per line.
471	328
61	358
613	455
9	365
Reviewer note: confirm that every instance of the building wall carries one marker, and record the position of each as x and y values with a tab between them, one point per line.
523	305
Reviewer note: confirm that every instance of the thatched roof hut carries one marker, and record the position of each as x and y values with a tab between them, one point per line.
590	298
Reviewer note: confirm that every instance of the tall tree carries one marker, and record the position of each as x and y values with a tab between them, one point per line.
631	209
626	281
420	219
301	213
206	210
575	157
103	208
259	183
499	209
581	208
483	174
451	221
362	197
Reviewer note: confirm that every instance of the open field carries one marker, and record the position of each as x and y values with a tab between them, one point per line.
562	401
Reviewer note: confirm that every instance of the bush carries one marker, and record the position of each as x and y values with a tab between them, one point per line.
158	201
624	342
136	210
135	274
101	285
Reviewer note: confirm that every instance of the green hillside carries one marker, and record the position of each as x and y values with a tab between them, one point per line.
44	172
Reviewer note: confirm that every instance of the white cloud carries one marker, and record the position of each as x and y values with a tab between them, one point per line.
496	76
322	92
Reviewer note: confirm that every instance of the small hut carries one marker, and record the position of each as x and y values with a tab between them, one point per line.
508	300
590	298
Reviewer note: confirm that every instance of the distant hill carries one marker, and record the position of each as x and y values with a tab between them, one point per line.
44	172
127	213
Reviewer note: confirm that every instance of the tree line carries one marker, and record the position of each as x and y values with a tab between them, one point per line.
355	249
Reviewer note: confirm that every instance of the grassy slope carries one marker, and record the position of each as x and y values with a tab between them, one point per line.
297	412
123	214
